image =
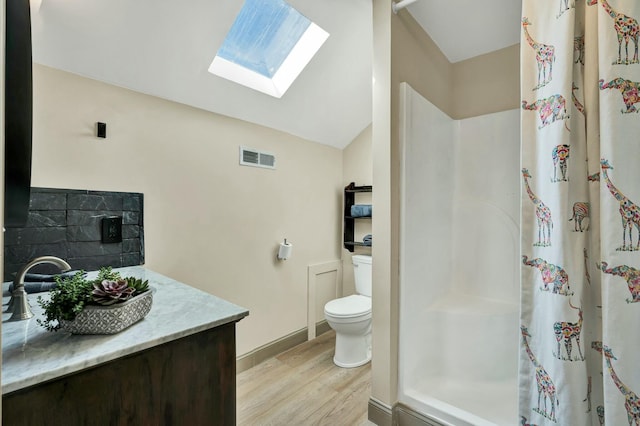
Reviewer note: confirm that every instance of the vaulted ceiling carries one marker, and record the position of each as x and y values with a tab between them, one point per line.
164	47
463	29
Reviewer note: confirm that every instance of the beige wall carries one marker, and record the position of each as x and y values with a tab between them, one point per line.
482	85
384	299
356	160
415	58
357	167
487	83
208	221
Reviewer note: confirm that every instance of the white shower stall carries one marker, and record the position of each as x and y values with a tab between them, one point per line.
459	264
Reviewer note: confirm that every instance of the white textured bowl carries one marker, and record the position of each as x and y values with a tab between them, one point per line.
110	319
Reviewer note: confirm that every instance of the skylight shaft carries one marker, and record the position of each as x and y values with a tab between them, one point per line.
268	46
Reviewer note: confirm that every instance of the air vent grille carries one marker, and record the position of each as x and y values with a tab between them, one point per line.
250	157
255	158
267	160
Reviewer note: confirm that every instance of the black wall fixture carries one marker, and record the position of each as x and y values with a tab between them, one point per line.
101	130
18	113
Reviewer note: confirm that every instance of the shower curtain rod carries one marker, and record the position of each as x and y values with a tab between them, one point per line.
401	5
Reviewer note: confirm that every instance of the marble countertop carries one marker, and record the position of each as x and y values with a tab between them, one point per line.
32	355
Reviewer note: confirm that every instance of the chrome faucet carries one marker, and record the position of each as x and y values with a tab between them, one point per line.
19	305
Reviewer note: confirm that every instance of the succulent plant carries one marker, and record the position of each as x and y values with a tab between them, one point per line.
108	292
137	285
73	293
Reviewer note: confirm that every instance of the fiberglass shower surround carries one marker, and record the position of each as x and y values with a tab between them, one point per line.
459	264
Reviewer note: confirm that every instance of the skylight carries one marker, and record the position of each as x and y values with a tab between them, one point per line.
268	46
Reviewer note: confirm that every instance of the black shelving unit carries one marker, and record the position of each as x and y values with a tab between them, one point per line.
350	192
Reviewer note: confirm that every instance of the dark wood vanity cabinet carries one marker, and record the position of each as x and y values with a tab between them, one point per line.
188	381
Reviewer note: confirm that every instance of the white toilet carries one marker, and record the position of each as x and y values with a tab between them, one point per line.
350	317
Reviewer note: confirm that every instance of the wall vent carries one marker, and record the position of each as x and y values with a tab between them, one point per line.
255	158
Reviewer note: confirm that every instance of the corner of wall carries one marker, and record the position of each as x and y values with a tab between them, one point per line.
357	166
499	74
417	60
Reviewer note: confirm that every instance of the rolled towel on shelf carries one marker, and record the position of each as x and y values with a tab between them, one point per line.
361	210
36	287
367	240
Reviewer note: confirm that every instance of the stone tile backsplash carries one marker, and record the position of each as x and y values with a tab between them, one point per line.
67	223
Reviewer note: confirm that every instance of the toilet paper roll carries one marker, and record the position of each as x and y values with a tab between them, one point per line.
285	251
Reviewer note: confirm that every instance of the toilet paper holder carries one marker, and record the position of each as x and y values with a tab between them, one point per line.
284	251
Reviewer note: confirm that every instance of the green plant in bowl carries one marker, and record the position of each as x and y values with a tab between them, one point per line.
72	294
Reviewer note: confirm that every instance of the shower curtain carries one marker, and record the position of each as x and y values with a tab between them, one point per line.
580	242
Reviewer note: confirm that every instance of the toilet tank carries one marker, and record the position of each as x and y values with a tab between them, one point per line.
362	273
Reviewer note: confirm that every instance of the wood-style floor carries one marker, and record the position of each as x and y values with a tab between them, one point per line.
303	387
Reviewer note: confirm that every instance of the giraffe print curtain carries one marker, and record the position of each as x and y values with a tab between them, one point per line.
580	241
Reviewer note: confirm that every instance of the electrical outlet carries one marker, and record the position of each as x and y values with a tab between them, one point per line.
112	229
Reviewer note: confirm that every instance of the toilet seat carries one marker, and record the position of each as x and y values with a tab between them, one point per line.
348	307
